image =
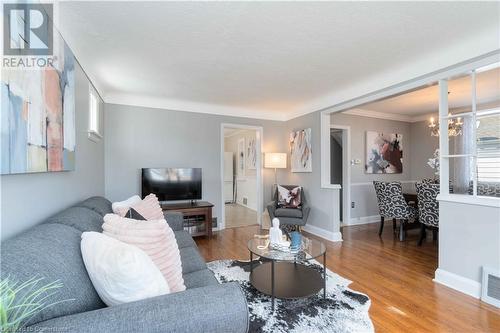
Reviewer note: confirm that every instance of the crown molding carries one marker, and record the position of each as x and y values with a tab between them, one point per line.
186	106
425	117
379	115
235	133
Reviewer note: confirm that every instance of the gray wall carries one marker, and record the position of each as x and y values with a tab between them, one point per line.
138	137
27	199
422	146
362	192
469	238
321	200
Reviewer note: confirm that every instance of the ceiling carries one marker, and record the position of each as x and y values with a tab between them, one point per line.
231	131
421	102
255	59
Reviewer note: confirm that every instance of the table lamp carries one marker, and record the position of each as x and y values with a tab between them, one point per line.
275	161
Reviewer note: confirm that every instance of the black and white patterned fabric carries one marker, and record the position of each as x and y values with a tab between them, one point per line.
428	206
343	310
391	202
489	189
436	181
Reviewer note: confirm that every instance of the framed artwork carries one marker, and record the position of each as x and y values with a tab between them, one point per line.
301	150
37	126
251	154
241	157
384	152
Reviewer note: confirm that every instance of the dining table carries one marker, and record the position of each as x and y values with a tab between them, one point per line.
410	197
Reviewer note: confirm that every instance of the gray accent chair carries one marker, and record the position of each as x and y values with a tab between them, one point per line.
51	250
289	217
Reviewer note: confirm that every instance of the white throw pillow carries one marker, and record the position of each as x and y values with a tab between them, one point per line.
120	272
120	207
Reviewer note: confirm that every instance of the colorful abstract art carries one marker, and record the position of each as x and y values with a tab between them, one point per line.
384	152
38	115
301	150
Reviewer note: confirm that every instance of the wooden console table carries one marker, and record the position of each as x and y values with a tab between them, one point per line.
195	214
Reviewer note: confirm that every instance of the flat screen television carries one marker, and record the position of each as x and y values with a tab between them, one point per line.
170	184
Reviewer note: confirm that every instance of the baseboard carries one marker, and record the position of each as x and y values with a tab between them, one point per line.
328	235
246	206
363	220
457	282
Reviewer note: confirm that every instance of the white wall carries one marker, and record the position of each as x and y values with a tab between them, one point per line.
246	185
28	199
138	137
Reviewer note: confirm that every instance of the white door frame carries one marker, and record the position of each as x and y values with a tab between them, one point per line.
346	172
259	131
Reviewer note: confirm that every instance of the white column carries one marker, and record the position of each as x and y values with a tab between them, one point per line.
444	166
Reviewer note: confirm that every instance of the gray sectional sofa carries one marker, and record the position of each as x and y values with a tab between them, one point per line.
52	250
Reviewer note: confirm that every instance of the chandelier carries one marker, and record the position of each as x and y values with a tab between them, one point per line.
454	126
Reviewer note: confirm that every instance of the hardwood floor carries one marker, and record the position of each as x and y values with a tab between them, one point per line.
397	276
239	216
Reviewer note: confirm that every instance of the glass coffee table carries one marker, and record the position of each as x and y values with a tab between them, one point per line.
285	275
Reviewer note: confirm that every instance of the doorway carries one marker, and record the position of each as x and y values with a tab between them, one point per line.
340	168
241	175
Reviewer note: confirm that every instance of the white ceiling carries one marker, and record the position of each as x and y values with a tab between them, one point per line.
255	59
231	131
413	105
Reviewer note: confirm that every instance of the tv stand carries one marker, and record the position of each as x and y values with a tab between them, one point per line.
195	214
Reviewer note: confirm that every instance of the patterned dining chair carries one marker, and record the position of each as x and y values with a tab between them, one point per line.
392	204
428	209
490	189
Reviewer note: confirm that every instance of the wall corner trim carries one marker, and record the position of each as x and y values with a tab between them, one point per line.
457	282
328	235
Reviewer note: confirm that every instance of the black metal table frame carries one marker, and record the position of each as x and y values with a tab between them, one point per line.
295	261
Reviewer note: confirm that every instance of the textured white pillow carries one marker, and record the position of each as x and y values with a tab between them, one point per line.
121	207
120	272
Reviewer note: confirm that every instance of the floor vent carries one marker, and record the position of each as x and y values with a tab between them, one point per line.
245	201
491	287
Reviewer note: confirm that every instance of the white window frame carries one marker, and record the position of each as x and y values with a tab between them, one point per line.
94	125
445	156
481	114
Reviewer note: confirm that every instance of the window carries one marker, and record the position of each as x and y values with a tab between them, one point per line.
472	158
94	130
488	146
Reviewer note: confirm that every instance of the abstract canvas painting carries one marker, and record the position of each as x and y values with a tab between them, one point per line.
301	151
384	152
38	115
241	157
251	154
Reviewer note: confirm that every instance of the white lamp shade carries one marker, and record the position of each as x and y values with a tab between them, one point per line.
275	160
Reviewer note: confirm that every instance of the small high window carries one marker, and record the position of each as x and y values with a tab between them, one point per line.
94	116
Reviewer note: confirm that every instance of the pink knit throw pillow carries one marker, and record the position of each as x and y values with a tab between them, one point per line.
149	207
156	238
